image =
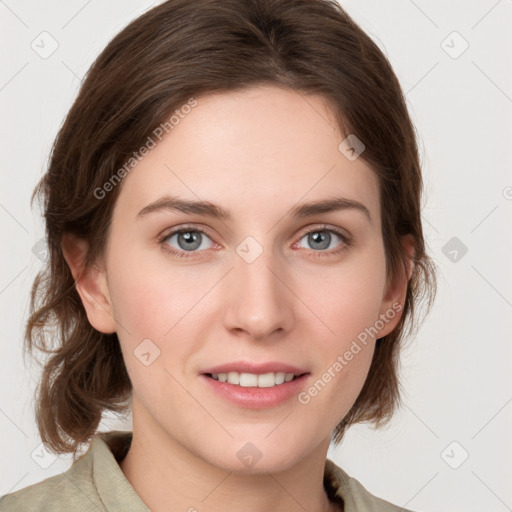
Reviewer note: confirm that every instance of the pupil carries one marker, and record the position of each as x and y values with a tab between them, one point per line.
191	240
321	237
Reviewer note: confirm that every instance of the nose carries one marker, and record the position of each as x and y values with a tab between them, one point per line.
258	297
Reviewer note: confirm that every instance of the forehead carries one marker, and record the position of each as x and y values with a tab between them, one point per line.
256	151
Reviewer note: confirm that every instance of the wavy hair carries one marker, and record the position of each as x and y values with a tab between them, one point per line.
175	51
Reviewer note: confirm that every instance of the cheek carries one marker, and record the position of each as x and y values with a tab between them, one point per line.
150	300
151	308
346	298
160	304
336	386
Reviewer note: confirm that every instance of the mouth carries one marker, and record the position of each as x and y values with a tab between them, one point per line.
255	380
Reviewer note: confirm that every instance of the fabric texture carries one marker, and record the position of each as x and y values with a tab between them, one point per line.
95	483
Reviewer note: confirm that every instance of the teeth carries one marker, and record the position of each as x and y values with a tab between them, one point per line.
251	380
280	377
248	380
234	378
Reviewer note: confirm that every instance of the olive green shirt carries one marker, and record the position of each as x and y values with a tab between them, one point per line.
95	482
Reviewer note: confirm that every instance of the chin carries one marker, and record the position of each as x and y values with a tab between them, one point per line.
256	457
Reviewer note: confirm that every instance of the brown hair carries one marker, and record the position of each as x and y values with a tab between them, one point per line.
175	51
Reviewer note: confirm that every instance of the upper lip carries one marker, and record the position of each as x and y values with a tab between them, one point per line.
255	368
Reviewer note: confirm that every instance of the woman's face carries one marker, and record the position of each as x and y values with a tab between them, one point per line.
251	288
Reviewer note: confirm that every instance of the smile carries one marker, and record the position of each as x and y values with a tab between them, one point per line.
252	380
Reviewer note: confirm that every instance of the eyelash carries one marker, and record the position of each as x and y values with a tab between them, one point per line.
346	241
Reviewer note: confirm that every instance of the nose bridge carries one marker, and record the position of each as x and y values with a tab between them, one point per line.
257	301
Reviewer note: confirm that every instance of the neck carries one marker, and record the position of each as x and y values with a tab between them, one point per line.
168	476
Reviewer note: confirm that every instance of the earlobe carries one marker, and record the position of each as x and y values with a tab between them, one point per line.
91	284
394	299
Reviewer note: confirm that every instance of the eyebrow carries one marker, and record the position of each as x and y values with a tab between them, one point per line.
209	209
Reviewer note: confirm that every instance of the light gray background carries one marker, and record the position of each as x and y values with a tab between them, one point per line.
456	372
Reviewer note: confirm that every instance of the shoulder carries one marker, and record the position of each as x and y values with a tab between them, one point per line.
71	490
355	496
94	483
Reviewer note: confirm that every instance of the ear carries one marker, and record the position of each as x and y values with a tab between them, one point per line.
91	284
392	304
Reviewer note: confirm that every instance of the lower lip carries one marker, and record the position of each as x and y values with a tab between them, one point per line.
254	397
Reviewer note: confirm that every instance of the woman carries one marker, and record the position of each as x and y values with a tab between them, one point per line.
233	220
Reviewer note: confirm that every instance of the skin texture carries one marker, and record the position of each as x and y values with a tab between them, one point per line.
258	153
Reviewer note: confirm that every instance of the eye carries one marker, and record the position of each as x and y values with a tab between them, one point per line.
188	240
321	238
